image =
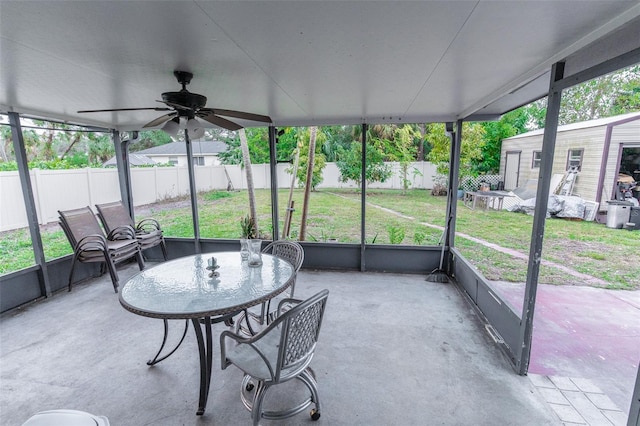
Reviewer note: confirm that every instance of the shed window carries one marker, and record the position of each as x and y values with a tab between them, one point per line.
574	158
198	161
537	157
173	160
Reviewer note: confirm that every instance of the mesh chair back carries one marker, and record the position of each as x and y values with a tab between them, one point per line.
290	251
300	330
114	215
79	223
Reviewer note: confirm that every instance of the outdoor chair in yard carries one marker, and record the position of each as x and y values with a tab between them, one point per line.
90	244
148	231
290	251
279	353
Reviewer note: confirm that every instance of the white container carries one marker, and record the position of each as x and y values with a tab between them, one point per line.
618	214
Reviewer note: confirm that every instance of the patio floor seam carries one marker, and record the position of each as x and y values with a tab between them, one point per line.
578	401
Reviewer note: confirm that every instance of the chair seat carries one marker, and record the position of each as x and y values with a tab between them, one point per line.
121	244
149	239
66	418
122	249
249	361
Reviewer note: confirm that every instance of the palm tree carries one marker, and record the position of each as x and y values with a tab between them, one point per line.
308	182
246	160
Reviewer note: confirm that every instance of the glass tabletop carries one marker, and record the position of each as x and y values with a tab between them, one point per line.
182	288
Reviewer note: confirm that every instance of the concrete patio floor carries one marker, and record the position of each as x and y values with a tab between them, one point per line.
394	350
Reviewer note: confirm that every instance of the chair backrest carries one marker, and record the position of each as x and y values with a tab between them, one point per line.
288	250
114	215
79	223
299	327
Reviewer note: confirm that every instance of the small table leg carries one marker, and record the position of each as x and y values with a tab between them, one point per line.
206	360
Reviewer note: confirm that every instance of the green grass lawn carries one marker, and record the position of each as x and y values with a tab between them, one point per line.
392	218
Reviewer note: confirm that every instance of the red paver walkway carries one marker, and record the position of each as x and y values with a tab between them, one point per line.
584	332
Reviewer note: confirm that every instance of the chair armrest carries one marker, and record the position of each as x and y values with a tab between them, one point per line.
92	242
148	225
122	233
242	341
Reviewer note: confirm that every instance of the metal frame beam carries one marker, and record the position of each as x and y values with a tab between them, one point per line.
29	202
363	198
193	192
537	233
454	174
124	171
614	64
273	168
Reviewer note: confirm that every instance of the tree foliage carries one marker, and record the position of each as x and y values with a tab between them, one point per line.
612	94
51	145
258	142
510	124
470	150
148	139
319	162
350	164
606	96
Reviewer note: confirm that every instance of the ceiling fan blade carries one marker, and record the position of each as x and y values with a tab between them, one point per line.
160	120
240	114
219	121
175	106
125	109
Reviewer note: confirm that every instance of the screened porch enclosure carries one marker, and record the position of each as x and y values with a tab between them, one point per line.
280	68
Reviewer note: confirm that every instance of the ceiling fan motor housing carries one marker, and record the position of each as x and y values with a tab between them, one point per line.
185	98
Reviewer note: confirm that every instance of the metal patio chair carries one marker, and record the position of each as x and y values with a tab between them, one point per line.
290	251
279	353
148	232
90	244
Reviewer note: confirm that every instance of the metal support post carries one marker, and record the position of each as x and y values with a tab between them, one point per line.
452	197
29	202
124	170
537	233
193	192
273	163
363	198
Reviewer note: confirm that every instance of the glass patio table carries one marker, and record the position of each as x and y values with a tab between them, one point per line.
183	289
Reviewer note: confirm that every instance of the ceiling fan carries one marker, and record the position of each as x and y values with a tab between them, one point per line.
185	107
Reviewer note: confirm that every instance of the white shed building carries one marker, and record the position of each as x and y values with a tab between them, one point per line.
600	149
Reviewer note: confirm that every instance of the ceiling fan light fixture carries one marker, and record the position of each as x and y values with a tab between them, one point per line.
172	127
195	128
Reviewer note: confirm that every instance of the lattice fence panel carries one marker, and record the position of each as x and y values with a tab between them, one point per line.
471	183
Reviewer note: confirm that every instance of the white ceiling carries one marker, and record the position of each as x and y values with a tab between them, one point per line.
300	62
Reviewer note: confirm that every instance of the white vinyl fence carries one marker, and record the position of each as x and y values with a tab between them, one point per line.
55	190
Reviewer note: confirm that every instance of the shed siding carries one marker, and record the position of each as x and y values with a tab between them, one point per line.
591	140
525	146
